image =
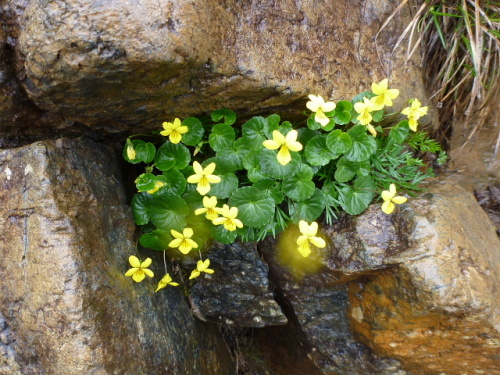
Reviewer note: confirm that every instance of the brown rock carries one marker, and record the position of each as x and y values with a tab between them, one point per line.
125	66
438	309
65	237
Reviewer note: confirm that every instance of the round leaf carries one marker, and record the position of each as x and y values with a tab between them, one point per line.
354	200
145	182
222	235
317	152
400	132
309	209
175	182
194	133
253	133
172	155
339	142
342	114
272	168
157	239
169	212
229	116
229	183
346	170
273	122
222	137
255	207
141	208
300	186
363	145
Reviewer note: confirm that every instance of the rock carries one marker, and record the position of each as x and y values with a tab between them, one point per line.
423	289
238	293
65	237
128	66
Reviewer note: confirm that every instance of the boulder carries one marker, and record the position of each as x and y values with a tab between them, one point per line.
130	66
422	291
238	293
66	306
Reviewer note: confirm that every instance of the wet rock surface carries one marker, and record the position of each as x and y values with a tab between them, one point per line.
238	293
419	283
128	67
65	237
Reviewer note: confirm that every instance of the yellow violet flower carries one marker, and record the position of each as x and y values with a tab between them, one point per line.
157	187
389	197
317	104
228	218
201	266
166	280
203	177
139	269
285	144
384	94
308	237
131	154
209	207
174	130
364	110
414	112
183	240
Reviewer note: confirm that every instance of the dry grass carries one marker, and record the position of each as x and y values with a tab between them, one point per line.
460	44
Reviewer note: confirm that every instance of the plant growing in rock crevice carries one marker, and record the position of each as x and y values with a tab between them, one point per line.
211	180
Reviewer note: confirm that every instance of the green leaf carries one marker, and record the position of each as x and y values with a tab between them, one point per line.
309	209
145	182
342	114
222	235
270	166
270	187
229	116
141	208
300	187
339	142
231	159
377	115
346	170
169	212
363	145
145	152
175	182
229	183
306	134
194	133
313	125
317	152
172	155
157	239
222	137
354	200
273	122
400	132
255	207
253	133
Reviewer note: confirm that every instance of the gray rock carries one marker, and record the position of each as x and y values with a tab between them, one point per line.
238	292
65	237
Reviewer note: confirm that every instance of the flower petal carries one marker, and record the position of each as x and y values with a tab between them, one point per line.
146	263
131	271
318	242
138	276
399	200
148	272
284	156
134	261
388	207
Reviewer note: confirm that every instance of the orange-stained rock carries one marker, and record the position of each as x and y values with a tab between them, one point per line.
437	309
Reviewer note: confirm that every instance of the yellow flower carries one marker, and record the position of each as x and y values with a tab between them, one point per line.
131	154
364	110
203	177
201	266
228	218
317	104
183	240
209	206
384	94
308	237
414	112
285	144
389	197
166	280
139	270
157	187
174	130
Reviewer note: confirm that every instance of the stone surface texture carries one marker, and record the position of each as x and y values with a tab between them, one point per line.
423	289
65	305
238	293
126	66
